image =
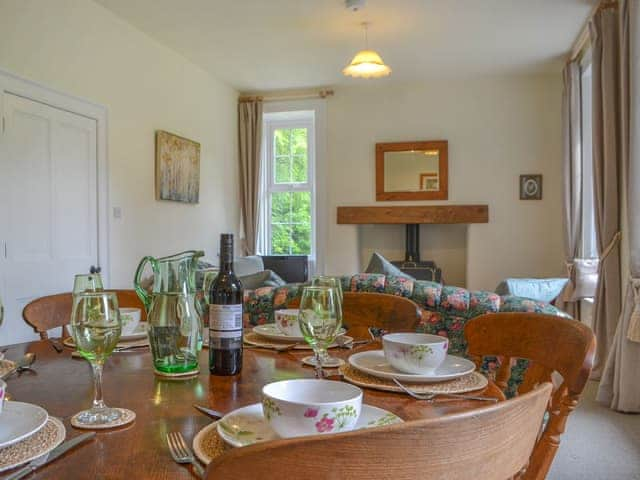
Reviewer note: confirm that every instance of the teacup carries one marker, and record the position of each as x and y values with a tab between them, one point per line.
3	394
418	353
301	407
130	319
287	322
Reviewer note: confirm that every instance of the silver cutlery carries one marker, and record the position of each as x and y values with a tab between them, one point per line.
56	346
22	364
343	342
431	396
55	453
209	412
181	453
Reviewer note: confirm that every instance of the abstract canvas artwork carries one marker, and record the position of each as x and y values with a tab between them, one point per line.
177	168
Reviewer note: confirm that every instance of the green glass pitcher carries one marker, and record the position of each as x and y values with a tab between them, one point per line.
172	274
174	332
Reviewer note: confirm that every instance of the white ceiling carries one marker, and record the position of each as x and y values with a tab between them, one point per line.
283	44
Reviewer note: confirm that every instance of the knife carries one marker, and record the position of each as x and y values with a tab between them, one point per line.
209	412
55	453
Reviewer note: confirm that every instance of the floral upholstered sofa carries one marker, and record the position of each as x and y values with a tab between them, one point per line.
447	308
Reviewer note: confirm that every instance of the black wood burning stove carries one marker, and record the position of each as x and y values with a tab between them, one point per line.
412	265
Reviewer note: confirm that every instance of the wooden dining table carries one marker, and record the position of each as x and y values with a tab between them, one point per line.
63	385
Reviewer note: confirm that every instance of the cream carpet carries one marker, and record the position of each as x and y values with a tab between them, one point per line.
599	444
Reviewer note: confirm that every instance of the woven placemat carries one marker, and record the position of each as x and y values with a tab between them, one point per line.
40	443
252	338
6	366
208	445
468	383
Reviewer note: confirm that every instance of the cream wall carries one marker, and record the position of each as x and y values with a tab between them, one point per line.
79	48
497	128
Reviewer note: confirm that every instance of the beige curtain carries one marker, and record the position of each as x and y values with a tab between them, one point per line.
620	384
250	140
604	32
572	179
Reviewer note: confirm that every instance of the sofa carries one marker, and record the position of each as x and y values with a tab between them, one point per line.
446	308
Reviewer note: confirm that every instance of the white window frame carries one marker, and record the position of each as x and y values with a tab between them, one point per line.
272	122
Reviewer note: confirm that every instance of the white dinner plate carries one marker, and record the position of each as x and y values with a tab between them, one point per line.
246	425
139	333
269	330
373	363
18	420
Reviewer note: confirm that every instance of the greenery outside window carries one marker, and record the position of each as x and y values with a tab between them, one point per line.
288	193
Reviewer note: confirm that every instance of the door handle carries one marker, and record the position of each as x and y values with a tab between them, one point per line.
94	269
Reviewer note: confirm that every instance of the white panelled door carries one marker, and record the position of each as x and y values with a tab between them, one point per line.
48	205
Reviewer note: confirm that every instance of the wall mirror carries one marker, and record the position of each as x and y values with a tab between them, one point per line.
412	170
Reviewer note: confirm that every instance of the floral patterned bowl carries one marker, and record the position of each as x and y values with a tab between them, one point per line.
418	353
130	319
295	408
287	322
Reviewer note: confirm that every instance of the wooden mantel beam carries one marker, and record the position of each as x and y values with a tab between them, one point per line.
414	214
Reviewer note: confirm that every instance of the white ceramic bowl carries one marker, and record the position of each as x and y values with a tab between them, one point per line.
301	407
130	319
287	322
418	353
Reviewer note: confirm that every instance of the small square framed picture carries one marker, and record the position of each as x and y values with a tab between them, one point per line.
530	187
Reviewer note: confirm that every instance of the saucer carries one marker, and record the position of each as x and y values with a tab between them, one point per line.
246	425
20	420
139	333
270	330
373	363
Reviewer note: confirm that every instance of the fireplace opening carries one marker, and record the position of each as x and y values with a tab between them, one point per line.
412	265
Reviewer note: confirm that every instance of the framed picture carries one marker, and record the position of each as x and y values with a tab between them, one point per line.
530	187
429	182
177	168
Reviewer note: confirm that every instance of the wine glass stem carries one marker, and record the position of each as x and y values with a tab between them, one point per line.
98	403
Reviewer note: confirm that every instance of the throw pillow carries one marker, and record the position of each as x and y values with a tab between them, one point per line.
379	264
266	278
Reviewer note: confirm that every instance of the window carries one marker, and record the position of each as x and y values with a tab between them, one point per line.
288	213
588	247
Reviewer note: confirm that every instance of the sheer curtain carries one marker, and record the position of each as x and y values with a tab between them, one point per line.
572	178
620	384
605	41
249	143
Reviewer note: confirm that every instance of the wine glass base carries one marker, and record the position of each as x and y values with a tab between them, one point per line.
102	418
327	362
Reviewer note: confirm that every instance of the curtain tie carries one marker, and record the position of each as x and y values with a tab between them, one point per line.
633	333
608	249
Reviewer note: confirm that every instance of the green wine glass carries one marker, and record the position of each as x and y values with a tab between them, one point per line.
96	327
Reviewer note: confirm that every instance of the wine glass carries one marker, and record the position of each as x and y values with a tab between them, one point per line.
320	319
96	326
87	282
333	282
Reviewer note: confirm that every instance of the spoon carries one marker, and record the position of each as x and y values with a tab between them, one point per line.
22	364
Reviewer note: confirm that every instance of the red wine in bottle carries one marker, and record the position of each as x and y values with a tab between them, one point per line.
225	315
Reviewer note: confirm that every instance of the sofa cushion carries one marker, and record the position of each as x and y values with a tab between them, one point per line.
266	278
243	266
379	264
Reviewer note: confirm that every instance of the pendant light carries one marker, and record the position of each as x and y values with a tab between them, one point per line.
367	63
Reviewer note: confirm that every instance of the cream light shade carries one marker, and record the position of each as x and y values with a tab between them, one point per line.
367	64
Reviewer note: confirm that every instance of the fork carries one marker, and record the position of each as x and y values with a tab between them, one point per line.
431	396
181	453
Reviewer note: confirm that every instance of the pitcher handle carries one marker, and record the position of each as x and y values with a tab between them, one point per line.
142	293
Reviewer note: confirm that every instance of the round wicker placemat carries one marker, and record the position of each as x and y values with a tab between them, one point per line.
468	383
208	445
6	366
252	338
43	441
127	417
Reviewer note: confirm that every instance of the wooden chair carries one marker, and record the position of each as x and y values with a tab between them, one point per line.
550	344
46	313
361	310
488	443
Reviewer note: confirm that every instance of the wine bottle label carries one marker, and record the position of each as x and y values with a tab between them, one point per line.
230	340
225	317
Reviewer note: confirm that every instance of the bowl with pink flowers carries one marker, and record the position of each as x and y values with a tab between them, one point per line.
295	408
418	353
